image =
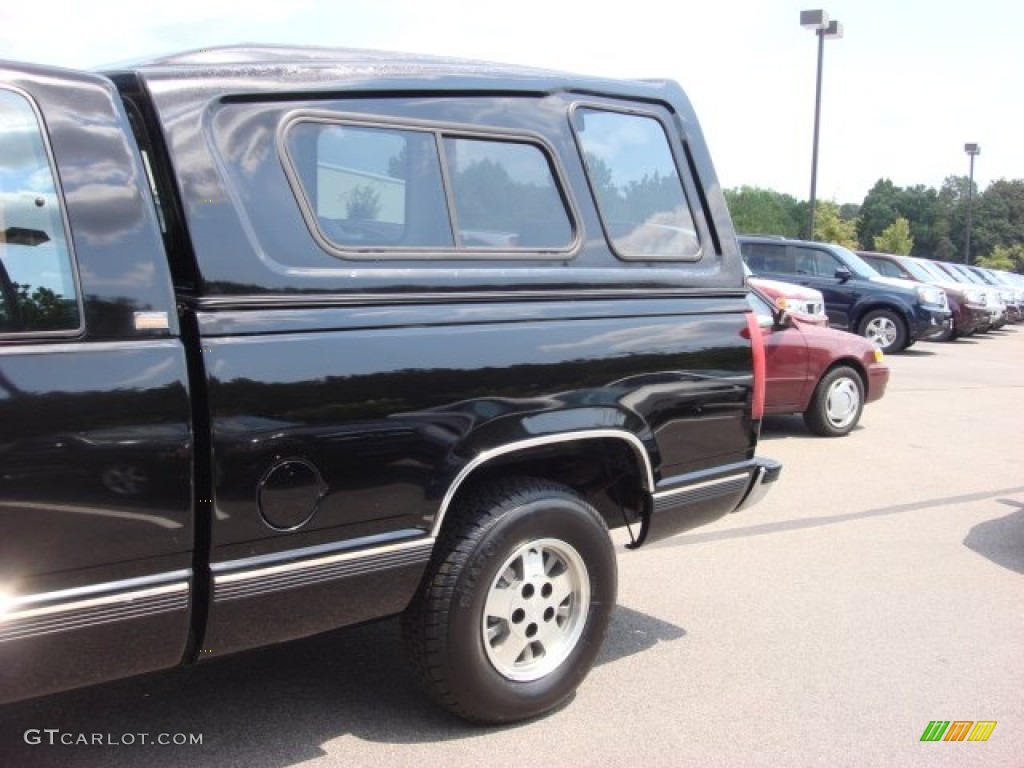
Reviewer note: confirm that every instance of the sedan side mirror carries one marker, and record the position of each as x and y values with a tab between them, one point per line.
843	274
782	319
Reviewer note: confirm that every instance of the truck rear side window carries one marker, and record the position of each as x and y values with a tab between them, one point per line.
383	188
637	186
37	278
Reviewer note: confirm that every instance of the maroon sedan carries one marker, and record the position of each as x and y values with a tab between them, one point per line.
826	375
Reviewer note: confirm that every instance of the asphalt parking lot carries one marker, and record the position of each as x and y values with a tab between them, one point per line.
879	586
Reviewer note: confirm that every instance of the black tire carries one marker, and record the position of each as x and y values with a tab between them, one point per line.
836	404
467	655
885	329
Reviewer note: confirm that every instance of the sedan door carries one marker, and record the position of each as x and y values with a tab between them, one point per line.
786	360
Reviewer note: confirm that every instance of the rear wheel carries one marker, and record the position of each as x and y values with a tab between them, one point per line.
885	329
836	404
514	606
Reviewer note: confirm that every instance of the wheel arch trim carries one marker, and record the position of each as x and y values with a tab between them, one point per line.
876	303
634	443
848	362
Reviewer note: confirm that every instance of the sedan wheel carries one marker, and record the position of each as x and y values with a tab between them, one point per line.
837	403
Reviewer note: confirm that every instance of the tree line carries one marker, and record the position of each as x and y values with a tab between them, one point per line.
916	221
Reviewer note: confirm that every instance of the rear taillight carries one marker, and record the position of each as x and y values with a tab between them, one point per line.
757	347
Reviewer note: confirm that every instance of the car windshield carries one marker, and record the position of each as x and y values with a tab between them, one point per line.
936	272
986	276
917	270
857	265
969	276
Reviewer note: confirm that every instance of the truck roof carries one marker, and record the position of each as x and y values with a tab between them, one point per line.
273	67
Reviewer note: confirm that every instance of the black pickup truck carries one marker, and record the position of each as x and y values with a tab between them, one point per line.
292	339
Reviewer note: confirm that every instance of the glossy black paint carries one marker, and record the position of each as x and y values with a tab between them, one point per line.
95	432
116	239
298	405
389	414
223	128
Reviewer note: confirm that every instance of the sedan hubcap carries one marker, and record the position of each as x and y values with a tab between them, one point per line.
536	609
881	331
842	402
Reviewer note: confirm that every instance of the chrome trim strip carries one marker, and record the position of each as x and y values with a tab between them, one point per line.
91	347
697	486
274	301
275	578
79	605
51	612
535	442
363	545
120	587
758	488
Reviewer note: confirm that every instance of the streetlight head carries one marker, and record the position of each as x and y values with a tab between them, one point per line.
972	149
833	30
814	19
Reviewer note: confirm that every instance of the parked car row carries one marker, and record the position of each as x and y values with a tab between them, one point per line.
799	288
893	313
981	299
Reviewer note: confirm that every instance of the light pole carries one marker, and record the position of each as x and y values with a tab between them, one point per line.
971	150
819	22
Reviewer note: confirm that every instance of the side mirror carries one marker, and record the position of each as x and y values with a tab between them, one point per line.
843	274
783	319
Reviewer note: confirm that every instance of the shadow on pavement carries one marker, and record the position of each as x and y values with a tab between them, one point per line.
267	708
1001	540
916	351
761	529
782	427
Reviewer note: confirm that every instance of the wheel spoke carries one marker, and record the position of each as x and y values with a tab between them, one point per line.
550	635
495	631
563	588
533	564
499	603
509	651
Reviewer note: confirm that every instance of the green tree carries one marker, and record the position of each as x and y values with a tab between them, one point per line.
1009	258
878	211
951	218
917	205
829	226
44	310
885	203
363	203
756	210
895	238
998	217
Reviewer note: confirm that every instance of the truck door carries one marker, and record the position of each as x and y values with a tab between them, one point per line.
96	532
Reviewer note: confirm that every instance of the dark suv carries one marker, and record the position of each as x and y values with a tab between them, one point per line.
967	303
890	312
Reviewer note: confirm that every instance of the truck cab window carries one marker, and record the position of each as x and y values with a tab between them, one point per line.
370	187
37	279
637	186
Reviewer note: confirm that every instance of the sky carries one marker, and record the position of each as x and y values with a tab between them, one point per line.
905	88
